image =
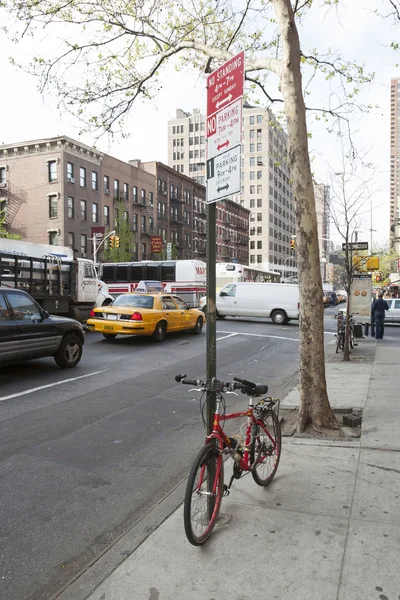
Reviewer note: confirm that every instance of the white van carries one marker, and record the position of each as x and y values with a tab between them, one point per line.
278	301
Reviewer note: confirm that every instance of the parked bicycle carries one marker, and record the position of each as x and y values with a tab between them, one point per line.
256	449
341	332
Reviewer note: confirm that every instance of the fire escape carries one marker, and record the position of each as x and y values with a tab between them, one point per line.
11	198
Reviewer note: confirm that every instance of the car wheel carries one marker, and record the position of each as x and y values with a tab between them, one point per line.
109	336
70	351
197	329
279	317
160	332
220	316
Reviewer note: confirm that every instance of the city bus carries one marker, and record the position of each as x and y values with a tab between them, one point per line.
233	272
187	278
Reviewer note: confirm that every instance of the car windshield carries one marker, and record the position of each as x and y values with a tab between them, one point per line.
136	301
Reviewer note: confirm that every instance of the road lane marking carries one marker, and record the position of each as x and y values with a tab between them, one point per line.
263	335
277	337
49	385
226	336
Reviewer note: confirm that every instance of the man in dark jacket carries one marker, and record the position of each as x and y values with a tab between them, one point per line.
379	306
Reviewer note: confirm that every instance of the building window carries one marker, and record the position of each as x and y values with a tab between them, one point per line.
126	192
259	174
259	147
70	207
134	222
259	189
135	194
143	198
71	240
70	172
252	161
259	230
116	189
83	210
259	245
252	174
106	184
53	238
82	176
95	181
259	258
259	118
52	165
83	244
95	212
106	215
53	207
252	203
259	202
252	120
252	148
252	245
252	258
143	223
151	198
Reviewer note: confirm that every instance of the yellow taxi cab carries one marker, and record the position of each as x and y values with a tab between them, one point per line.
146	314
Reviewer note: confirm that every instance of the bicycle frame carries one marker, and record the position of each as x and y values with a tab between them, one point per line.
223	441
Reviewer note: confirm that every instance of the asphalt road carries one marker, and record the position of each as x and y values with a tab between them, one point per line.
87	452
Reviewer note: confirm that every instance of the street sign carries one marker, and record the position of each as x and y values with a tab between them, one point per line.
355	246
225	84
224	129
169	251
223	174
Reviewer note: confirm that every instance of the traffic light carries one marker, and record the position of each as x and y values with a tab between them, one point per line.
116	241
292	243
112	241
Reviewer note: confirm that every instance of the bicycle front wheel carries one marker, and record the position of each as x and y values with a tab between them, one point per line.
265	451
203	499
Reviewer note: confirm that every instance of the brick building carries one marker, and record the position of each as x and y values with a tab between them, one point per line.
59	191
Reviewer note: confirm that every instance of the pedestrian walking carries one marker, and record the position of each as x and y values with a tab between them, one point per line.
333	299
379	307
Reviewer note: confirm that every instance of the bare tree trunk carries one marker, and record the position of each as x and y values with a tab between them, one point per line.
314	404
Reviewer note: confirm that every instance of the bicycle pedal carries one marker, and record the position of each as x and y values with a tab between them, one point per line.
226	491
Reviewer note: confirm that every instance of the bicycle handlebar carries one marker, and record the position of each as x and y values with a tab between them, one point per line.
215	385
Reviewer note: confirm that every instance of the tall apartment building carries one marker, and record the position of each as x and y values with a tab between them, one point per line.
395	164
266	190
187	144
59	191
322	206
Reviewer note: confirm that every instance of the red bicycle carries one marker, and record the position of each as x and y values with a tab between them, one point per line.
256	449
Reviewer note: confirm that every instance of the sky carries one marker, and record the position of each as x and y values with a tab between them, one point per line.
358	33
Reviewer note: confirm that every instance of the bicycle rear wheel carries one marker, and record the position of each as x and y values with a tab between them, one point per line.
265	452
340	342
201	506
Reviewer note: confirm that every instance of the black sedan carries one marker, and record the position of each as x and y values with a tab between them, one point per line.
27	331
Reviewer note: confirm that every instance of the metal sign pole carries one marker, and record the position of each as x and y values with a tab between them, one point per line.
211	308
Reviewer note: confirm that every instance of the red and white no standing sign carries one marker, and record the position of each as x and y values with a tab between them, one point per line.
224	128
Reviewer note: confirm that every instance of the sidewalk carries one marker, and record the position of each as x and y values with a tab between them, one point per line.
327	528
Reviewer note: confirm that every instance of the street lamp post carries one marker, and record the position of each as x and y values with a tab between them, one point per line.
284	261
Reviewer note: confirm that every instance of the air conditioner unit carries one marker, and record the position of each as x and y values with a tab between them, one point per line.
71	179
164	192
84	254
107	191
